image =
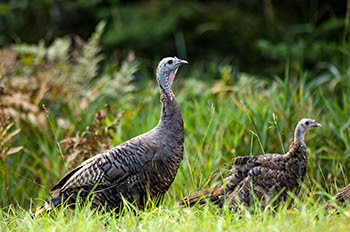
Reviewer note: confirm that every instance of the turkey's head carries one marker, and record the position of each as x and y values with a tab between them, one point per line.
303	126
166	71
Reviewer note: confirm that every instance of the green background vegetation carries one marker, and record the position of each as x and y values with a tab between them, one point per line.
258	36
256	68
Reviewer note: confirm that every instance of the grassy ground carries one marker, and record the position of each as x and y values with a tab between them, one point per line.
305	216
226	115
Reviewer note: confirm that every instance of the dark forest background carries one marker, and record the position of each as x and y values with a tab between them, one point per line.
256	36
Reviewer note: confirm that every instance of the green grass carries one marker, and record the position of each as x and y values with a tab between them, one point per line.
225	114
305	215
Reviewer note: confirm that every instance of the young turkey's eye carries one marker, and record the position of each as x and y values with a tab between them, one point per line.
170	61
307	122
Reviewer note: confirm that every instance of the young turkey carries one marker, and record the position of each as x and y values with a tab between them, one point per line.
263	175
141	168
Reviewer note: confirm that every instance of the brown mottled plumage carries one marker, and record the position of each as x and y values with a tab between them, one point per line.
341	198
140	168
343	194
263	175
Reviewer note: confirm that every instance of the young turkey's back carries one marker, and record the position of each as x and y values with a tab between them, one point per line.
263	176
140	168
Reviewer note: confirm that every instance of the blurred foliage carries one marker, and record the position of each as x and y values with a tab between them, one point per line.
96	138
255	35
49	90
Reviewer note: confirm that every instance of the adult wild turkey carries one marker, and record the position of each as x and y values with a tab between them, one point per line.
263	175
140	168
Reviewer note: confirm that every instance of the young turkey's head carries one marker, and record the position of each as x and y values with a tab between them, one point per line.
303	126
166	71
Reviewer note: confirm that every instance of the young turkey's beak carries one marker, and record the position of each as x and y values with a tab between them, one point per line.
316	124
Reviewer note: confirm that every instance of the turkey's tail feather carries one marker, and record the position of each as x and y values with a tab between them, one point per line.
202	197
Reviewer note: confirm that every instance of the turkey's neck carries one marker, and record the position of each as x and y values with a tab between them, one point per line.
170	116
299	135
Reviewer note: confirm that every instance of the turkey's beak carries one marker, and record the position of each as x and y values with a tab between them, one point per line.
183	62
317	124
180	62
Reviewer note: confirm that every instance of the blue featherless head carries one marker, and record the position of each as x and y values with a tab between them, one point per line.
166	71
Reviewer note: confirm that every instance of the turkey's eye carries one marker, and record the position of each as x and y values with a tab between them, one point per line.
307	122
170	61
